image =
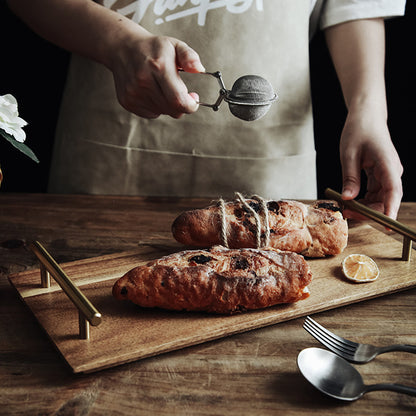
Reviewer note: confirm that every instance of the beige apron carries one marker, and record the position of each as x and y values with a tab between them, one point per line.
103	149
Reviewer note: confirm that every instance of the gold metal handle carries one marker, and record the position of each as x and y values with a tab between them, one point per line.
88	314
408	234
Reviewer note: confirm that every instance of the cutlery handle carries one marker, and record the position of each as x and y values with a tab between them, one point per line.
399	347
399	388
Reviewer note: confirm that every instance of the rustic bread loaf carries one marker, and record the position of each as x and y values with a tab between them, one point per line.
314	230
218	280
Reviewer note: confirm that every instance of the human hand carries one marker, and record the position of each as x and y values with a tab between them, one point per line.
145	70
144	66
366	145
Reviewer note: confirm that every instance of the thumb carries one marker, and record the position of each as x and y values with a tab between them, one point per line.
187	58
351	179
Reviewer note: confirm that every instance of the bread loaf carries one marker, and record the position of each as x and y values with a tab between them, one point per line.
218	280
315	230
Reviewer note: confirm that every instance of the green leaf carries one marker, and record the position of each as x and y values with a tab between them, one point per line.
20	146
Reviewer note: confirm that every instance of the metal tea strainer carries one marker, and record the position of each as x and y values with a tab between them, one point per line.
249	99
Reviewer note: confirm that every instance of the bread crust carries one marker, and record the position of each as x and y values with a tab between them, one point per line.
314	230
218	280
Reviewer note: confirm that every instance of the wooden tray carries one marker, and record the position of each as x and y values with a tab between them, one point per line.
129	333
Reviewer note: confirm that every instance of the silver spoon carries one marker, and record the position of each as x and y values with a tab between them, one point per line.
337	378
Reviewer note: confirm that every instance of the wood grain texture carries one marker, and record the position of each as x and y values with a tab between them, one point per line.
128	332
249	373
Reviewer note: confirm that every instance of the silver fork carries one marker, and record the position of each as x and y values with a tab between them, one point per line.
351	351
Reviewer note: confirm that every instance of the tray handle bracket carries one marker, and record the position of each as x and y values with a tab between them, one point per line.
87	313
408	234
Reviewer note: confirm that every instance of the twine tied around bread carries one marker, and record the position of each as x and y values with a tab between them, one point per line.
257	219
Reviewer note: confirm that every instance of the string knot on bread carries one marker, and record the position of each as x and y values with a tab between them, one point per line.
313	230
262	238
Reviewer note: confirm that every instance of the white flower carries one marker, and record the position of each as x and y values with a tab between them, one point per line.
10	121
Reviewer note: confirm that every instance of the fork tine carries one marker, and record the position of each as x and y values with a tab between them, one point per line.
337	348
333	342
346	342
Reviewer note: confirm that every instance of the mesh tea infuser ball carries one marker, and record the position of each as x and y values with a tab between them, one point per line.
249	99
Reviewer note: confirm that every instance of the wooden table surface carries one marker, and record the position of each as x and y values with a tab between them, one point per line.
253	373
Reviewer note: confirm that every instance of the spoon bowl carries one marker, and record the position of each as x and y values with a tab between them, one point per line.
337	378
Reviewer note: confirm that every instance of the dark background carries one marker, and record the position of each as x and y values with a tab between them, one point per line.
34	71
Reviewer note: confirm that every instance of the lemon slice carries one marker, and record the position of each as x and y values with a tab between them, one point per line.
360	268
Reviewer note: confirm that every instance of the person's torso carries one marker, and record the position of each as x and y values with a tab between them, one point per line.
207	153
